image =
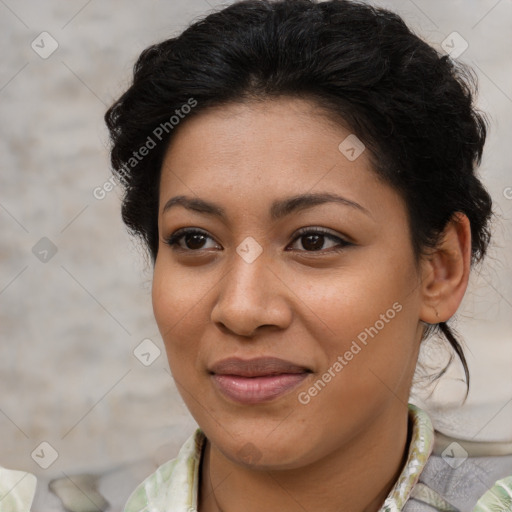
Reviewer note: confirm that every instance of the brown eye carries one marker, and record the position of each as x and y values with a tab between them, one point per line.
315	240
188	240
193	241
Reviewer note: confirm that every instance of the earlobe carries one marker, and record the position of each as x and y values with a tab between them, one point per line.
445	272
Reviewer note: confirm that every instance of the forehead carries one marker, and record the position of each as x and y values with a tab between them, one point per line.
263	150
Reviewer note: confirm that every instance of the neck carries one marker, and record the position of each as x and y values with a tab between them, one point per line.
357	477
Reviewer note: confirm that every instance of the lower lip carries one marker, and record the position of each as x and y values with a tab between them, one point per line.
254	390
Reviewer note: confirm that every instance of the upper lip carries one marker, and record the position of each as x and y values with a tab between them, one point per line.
257	367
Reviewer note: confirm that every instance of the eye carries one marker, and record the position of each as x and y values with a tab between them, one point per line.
193	239
313	240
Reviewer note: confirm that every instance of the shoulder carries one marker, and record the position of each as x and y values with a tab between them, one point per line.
455	479
173	483
150	488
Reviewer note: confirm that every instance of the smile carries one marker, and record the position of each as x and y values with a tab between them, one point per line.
256	380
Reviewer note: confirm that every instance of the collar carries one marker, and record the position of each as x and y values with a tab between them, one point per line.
420	448
174	486
17	490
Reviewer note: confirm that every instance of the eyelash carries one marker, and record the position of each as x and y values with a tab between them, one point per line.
178	235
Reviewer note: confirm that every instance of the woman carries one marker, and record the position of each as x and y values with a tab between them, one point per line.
303	176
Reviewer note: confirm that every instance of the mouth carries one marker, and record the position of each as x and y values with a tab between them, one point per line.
257	380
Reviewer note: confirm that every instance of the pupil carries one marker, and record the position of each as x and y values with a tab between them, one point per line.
198	238
315	245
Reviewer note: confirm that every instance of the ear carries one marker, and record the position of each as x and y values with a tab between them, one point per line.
445	272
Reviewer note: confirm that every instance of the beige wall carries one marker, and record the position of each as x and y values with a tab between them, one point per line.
69	325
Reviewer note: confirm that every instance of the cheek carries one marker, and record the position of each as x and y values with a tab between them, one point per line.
177	309
175	306
368	316
347	301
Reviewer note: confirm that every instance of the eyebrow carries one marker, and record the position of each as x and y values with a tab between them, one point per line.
279	209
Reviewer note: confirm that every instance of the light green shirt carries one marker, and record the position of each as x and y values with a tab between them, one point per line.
173	487
428	481
17	490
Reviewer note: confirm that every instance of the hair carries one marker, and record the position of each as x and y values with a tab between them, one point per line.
410	105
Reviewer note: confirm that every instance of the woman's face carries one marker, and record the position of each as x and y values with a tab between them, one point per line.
285	342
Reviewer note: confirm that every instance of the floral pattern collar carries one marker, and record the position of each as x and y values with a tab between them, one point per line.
420	448
174	486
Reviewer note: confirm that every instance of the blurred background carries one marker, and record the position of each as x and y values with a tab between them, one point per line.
82	366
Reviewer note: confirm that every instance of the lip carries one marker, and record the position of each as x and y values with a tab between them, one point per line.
252	381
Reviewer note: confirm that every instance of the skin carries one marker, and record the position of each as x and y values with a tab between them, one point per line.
344	449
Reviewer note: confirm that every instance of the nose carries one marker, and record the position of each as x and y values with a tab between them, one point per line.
251	296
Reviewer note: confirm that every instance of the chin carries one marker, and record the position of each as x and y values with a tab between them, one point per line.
265	458
260	447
